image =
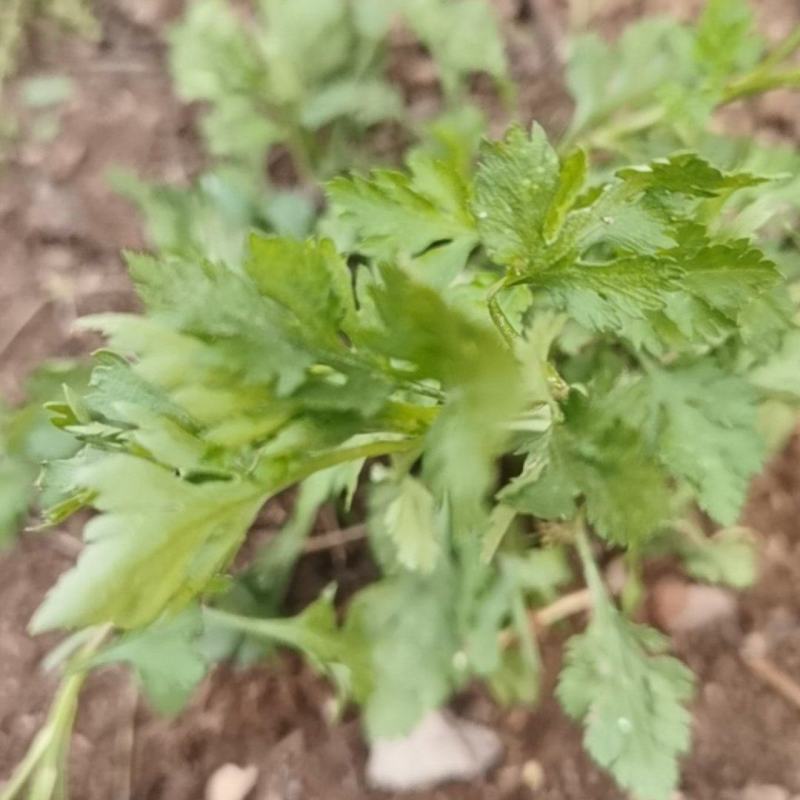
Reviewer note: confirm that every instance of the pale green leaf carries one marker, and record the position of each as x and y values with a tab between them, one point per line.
167	658
148	517
630	700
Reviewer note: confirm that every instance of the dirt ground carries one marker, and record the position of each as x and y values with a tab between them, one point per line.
61	228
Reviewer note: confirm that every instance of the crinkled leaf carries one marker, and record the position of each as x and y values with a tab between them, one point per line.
410	623
148	517
701	422
631	702
728	557
166	656
516	183
396	215
411	524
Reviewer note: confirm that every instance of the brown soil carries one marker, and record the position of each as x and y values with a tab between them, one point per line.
61	228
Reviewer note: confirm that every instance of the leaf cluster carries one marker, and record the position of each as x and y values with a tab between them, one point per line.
527	344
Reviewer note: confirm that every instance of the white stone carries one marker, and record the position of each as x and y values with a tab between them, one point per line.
680	607
764	791
441	748
231	782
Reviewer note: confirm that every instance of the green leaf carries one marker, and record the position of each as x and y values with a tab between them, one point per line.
342	653
28	438
410	623
478	376
593	457
516	183
16	495
631	702
623	296
363	101
310	279
780	374
210	53
463	37
167	658
728	41
209	301
702	423
394	215
572	176
149	516
687	173
728	557
604	78
410	522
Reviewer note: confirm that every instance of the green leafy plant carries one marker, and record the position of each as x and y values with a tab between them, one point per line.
16	14
604	329
27	440
306	79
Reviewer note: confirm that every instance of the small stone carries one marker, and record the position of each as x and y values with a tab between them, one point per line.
150	13
56	212
616	575
680	607
231	782
441	748
517	719
764	791
64	158
508	780
533	775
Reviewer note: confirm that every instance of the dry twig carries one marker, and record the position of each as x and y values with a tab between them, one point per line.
754	655
337	538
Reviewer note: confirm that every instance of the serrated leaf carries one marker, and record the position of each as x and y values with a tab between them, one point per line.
687	173
463	37
364	101
571	178
340	652
477	373
728	557
16	494
605	77
310	279
411	524
28	437
516	183
590	457
780	374
167	658
727	38
395	215
208	300
191	531
631	702
702	424
616	297
410	623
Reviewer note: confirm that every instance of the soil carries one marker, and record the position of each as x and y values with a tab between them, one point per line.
61	229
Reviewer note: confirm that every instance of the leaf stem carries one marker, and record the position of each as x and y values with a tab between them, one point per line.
590	571
501	321
48	749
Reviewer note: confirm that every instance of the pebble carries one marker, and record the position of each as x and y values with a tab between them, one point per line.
764	791
150	13
533	775
231	782
680	607
441	748
56	212
64	158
